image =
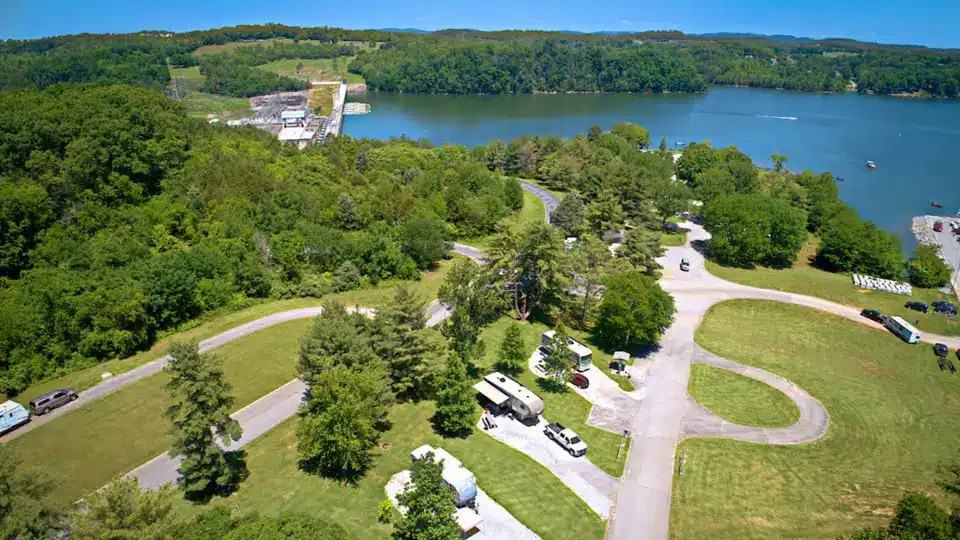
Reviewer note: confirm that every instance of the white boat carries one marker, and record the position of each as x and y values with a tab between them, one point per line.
871	165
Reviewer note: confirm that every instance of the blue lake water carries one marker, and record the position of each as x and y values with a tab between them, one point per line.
915	143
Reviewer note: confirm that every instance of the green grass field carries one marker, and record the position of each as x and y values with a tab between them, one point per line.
673	239
527	490
740	399
567	407
213	324
106	438
802	278
892	421
200	104
314	69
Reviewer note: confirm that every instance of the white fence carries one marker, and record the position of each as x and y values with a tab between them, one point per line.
878	284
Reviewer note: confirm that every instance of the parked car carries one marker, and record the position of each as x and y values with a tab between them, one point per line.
580	380
916	306
938	226
685	264
873	315
51	400
566	438
941	350
944	307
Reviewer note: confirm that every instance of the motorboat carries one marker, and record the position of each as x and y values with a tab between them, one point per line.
936	204
871	165
839	178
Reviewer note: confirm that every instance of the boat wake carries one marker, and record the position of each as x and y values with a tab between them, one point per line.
777	117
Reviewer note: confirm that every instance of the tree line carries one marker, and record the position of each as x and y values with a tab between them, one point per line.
120	218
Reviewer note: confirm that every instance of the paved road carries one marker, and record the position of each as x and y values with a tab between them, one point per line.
549	200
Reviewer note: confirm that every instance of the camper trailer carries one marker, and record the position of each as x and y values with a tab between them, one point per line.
580	354
506	393
12	415
455	475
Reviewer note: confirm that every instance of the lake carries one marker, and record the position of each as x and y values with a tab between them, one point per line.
915	143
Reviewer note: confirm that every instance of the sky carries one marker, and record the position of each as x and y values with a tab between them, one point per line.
929	22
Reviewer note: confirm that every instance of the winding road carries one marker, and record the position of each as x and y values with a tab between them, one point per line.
665	416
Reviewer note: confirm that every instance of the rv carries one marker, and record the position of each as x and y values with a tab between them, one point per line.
459	479
504	392
12	415
580	354
902	329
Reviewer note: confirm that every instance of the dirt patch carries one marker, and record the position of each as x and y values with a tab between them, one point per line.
883	512
874	369
763	522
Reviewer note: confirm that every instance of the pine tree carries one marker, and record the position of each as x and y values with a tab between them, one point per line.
513	351
430	505
337	338
640	248
456	410
122	510
413	354
201	417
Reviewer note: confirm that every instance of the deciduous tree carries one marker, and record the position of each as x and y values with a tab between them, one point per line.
634	311
122	510
926	269
557	363
429	503
26	509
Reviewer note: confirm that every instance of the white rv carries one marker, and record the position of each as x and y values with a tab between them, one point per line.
503	391
455	475
580	354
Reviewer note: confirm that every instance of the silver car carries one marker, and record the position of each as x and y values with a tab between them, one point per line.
685	264
51	400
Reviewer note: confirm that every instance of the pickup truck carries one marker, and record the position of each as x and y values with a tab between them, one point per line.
566	438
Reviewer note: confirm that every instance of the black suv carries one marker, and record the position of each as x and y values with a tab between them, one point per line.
51	400
873	315
944	307
916	306
941	350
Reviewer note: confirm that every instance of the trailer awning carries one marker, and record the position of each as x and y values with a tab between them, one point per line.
467	519
488	391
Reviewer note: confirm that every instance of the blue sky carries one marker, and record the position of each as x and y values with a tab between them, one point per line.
930	22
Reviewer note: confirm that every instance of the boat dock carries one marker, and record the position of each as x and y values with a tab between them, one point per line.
949	246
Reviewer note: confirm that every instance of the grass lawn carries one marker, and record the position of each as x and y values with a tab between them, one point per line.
673	239
533	210
567	407
215	323
200	104
527	490
803	278
892	421
740	399
314	69
322	96
94	444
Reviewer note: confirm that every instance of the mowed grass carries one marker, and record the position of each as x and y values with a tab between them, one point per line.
200	104
892	421
533	211
526	489
803	278
740	399
673	239
314	69
322	96
216	323
568	407
106	438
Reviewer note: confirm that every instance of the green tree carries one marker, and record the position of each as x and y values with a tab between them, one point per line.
429	503
423	241
926	269
640	248
556	363
849	244
287	249
349	212
495	155
200	417
345	413
592	262
778	161
26	508
634	311
472	292
594	132
636	135
336	338
751	229
663	144
918	516
513	354
413	358
456	411
513	194
122	510
568	216
531	262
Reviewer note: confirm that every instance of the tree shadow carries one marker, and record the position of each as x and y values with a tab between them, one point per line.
551	386
233	474
701	247
345	477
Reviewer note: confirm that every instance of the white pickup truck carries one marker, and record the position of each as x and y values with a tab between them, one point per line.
566	438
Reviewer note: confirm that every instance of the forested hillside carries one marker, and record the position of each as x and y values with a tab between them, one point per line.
463	61
120	218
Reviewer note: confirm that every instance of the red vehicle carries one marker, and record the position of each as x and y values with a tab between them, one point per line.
580	380
938	226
